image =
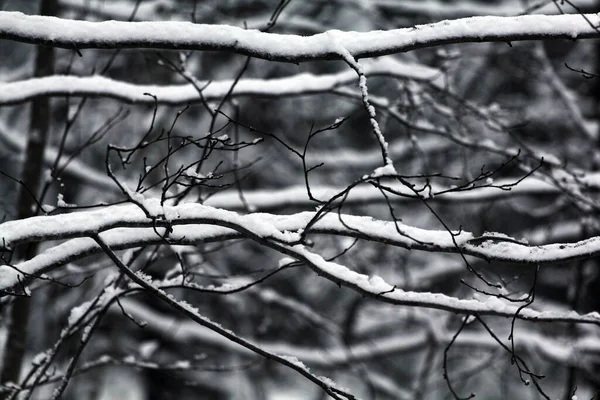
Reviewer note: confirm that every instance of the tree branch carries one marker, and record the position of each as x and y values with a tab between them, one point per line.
77	35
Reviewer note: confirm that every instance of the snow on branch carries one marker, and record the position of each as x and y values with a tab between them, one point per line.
370	286
174	35
118	239
276	231
300	84
123	238
281	234
375	287
285	229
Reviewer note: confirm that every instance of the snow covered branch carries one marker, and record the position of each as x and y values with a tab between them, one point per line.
284	229
281	233
301	84
78	35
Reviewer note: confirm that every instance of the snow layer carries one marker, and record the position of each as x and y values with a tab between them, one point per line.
300	84
282	228
72	34
196	222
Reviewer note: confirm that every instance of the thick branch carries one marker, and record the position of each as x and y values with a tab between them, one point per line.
31	177
282	229
276	231
77	35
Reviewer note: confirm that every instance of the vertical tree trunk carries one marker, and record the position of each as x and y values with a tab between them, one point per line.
593	285
32	177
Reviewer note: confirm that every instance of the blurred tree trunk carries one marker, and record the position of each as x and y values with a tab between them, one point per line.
31	178
593	286
590	286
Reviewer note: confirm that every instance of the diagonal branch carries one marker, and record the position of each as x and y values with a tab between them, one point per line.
326	384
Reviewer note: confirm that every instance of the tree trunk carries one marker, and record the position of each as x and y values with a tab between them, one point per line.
31	177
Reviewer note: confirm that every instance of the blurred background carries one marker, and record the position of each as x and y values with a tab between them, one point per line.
452	115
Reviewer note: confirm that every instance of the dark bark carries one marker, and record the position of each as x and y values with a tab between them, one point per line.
31	177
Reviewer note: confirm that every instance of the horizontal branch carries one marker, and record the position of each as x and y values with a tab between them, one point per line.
190	222
275	231
189	332
74	250
173	35
300	84
286	228
118	239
